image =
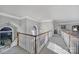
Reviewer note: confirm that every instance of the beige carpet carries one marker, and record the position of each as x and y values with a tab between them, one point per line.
16	50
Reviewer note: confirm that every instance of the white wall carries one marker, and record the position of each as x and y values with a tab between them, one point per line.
6	21
29	28
27	42
14	24
43	12
46	26
26	25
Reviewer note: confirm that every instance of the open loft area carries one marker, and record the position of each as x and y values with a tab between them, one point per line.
39	29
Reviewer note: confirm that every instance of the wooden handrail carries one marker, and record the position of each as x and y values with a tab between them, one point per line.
44	33
26	34
17	39
34	35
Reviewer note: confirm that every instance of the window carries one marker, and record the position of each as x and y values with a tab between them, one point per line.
5	35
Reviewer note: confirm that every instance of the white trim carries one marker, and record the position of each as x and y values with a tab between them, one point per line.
20	18
29	18
16	17
46	20
8	15
62	23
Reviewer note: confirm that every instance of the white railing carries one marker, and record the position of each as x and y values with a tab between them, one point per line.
32	43
71	40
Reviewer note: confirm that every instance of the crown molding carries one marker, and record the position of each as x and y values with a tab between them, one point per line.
47	21
20	18
29	18
10	16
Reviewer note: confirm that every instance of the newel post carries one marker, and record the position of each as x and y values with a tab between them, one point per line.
17	38
35	45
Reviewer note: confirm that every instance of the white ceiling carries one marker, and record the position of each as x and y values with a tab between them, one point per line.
43	12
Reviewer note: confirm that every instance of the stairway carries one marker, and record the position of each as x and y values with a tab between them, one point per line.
55	45
58	40
56	48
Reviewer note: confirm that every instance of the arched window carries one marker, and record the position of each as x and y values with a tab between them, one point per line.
5	35
6	29
34	30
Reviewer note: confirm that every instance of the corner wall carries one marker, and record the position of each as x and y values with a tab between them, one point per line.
46	26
